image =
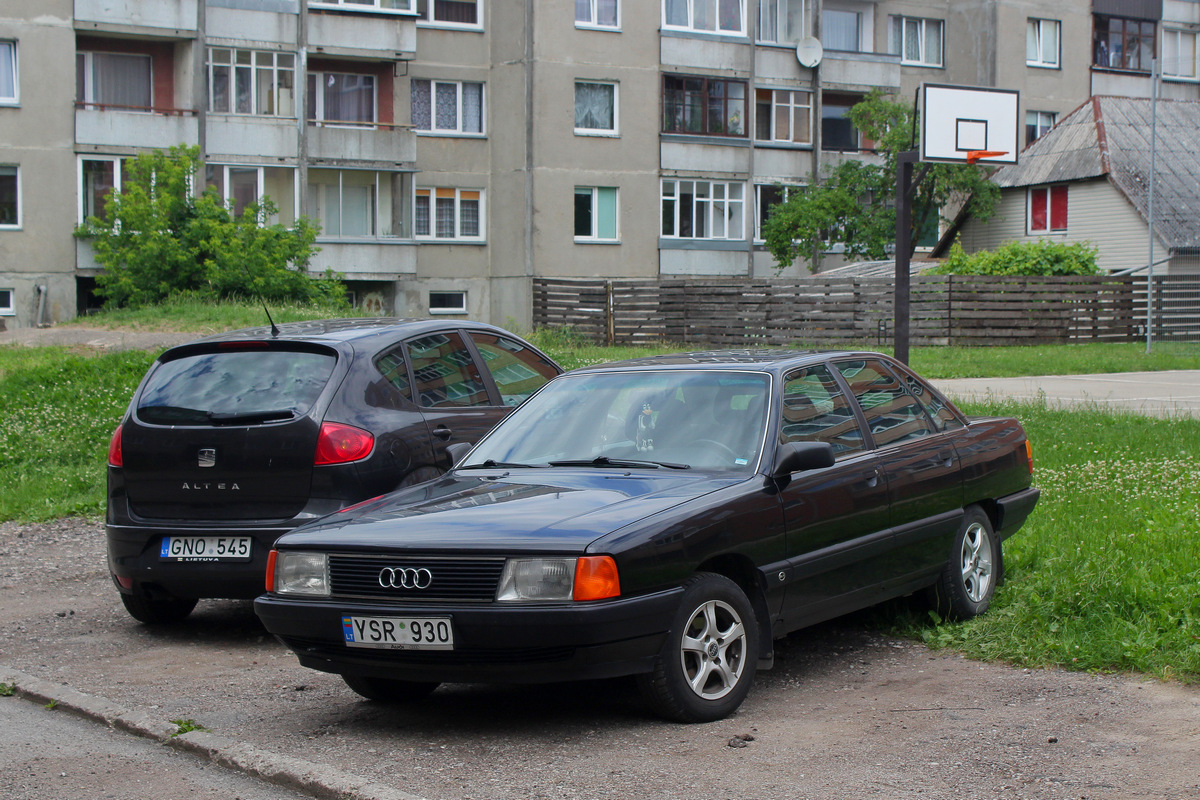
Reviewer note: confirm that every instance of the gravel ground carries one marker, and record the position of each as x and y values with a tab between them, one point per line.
844	714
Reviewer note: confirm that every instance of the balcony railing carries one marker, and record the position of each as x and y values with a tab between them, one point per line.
361	141
113	125
173	18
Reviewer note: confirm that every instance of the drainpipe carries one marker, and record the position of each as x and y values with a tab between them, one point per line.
41	312
751	202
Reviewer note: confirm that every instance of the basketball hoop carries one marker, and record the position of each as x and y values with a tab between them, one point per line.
975	155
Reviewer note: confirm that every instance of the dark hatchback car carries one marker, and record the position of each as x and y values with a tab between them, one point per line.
235	439
667	518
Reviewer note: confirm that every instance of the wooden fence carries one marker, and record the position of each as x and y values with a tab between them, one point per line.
945	310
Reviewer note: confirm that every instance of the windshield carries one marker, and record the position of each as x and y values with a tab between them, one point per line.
700	419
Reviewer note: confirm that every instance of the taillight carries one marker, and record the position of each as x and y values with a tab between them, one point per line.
115	457
340	444
1029	454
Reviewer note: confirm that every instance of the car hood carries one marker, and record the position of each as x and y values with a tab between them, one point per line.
535	510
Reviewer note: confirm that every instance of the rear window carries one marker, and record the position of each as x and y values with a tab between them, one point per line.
235	388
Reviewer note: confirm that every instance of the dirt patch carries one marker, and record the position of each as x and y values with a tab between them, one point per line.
844	714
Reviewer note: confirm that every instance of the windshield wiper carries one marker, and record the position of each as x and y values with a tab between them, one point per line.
605	461
491	464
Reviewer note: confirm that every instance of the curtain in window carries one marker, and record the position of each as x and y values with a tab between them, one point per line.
469	214
676	12
839	30
472	103
421	106
421	214
8	75
606	12
594	106
121	80
444	214
932	52
358	217
447	107
349	98
462	11
912	40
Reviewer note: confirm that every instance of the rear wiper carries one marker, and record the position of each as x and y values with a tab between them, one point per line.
227	417
491	464
605	461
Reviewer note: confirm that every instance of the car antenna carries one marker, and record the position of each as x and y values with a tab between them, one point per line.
274	328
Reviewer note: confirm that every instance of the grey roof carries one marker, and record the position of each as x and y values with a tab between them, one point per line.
1109	137
875	269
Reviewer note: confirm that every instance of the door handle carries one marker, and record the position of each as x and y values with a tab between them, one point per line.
443	433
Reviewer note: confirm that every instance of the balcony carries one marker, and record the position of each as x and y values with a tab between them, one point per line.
362	35
115	126
366	259
384	145
253	138
176	19
860	71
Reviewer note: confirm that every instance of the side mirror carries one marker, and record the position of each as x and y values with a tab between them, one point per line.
798	456
457	451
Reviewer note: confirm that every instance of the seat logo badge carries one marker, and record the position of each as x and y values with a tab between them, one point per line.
207	457
405	578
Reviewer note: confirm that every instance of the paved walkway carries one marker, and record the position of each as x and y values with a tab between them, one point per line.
1160	394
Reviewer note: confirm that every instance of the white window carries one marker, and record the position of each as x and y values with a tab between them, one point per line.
703	209
917	41
259	82
781	21
8	304
447	107
10	83
114	80
596	108
782	115
841	29
451	13
341	98
447	302
1041	42
385	6
356	204
766	196
595	214
10	196
1179	53
239	185
1037	124
598	14
98	175
709	16
449	214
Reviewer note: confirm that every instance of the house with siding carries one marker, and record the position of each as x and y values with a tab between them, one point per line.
1089	180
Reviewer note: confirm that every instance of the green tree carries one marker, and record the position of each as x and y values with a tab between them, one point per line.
855	204
156	238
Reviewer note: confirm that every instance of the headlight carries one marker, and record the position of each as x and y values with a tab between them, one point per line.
558	579
301	573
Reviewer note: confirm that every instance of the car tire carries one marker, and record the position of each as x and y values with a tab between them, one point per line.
158	611
708	661
389	690
968	581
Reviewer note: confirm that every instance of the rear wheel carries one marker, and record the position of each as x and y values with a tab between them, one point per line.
388	690
968	580
707	664
159	610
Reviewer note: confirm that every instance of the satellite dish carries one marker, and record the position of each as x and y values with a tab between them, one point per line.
809	52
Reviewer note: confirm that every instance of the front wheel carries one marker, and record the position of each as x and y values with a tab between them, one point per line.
968	580
158	611
707	664
389	690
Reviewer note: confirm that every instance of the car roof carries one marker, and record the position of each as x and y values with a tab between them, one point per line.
765	360
357	332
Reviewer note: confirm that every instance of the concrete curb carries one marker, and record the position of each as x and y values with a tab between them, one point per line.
318	780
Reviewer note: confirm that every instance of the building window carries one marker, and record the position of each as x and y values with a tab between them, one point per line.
449	214
356	204
704	106
766	197
10	196
447	302
709	16
781	21
98	177
1037	123
837	131
1048	209
917	41
447	107
702	210
238	186
595	214
341	98
10	84
597	13
841	30
1179	55
117	80
1041	43
1122	43
450	13
258	82
386	6
8	306
595	108
781	115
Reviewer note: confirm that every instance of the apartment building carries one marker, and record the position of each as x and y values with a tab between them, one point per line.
453	150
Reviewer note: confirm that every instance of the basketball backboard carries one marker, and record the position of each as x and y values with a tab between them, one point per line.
969	124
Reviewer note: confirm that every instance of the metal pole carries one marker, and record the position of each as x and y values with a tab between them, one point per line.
1150	205
904	170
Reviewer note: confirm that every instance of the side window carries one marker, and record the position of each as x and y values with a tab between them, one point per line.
815	410
517	370
392	367
893	415
935	405
445	372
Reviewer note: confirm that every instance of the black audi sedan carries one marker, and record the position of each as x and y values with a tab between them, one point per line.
235	439
667	518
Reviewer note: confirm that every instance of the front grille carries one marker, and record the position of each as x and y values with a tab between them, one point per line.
470	580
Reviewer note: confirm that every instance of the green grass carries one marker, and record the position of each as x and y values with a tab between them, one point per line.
191	314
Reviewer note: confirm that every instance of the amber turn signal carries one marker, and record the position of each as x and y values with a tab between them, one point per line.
1029	454
271	571
596	578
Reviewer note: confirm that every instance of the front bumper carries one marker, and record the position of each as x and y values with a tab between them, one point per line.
493	643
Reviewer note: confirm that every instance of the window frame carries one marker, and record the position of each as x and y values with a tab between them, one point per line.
615	130
9	308
225	187
15	66
775	107
1052	117
690	26
1098	41
366	6
709	205
459	116
594	193
318	100
118	175
1179	34
898	27
425	17
461	308
593	12
377	189
859	26
760	210
779	36
20	206
1035	35
431	193
256	102
1049	191
669	101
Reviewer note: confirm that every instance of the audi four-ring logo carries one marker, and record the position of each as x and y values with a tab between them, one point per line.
405	578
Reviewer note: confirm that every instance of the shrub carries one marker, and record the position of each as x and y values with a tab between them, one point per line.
1023	258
